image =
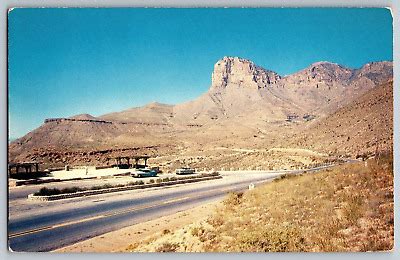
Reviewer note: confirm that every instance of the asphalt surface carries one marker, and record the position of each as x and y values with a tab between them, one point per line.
46	226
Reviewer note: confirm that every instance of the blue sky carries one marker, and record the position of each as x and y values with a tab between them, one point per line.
68	61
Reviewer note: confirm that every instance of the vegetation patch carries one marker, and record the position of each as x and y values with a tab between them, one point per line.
167	247
233	199
346	208
285	176
55	191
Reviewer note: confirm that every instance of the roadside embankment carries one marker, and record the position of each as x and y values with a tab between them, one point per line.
346	208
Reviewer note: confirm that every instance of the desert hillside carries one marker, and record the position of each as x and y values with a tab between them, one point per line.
361	127
345	209
249	117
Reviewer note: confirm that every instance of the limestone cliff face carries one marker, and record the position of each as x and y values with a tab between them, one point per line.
241	72
242	96
241	87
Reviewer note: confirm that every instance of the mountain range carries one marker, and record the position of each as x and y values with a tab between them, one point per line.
248	113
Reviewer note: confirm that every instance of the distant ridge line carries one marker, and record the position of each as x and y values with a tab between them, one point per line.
60	119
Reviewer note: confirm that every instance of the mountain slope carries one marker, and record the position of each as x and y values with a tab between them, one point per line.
239	87
153	113
360	127
245	106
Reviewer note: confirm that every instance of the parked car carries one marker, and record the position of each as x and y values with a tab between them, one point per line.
144	173
184	170
156	169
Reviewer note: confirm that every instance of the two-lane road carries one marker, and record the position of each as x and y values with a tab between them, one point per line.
51	225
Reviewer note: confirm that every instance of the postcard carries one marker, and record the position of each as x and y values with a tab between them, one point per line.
200	130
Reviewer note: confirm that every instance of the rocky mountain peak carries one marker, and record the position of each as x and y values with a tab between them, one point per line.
328	71
374	72
241	73
83	117
378	68
244	103
156	104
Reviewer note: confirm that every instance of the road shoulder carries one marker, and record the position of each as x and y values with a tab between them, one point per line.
121	240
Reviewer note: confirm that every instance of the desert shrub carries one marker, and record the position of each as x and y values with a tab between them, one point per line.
132	247
55	191
105	186
99	187
166	231
207	236
202	234
187	177
139	182
353	209
71	190
133	183
272	239
284	176
196	231
47	192
151	181
217	220
233	199
167	247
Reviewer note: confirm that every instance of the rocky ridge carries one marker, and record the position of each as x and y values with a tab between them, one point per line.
362	127
246	106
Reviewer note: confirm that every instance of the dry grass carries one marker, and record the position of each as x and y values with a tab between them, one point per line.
349	208
167	247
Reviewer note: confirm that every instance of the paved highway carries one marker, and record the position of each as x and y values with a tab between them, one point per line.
45	226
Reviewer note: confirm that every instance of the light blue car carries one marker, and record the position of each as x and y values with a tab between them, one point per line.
144	173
